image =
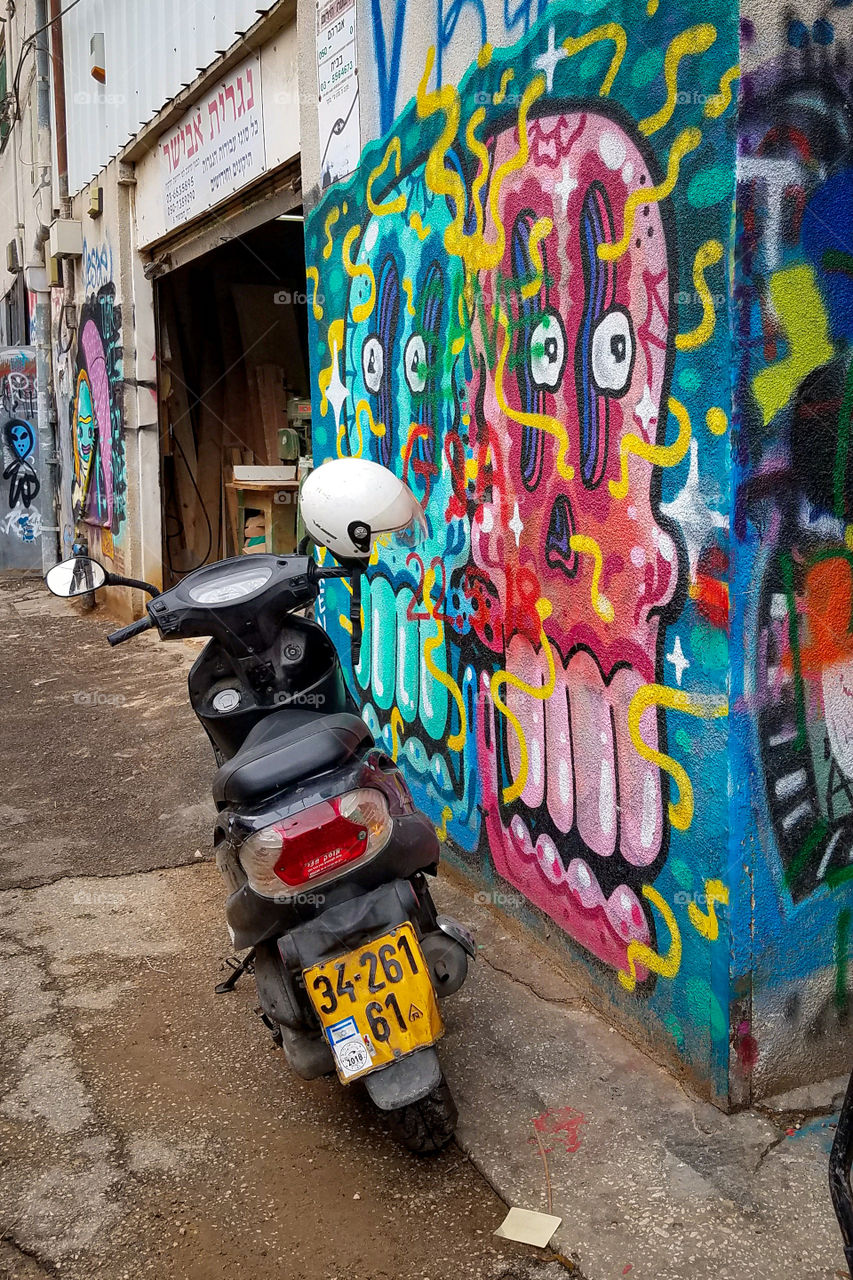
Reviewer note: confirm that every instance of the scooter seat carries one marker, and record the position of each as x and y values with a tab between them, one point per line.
286	746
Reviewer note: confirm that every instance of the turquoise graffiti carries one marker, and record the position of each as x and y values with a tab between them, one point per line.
519	305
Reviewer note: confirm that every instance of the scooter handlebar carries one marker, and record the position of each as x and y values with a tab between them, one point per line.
127	633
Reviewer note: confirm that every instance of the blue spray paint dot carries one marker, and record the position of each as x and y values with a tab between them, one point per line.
689	379
823	32
798	34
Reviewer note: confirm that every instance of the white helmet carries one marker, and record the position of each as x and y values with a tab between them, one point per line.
348	503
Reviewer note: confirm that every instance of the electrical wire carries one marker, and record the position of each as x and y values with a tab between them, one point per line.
25	48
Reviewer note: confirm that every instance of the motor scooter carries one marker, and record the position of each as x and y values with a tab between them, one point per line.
840	1162
324	855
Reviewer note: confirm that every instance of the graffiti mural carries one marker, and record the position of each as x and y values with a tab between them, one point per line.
524	314
99	482
794	504
21	519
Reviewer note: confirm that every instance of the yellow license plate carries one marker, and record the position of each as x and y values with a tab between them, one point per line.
376	1004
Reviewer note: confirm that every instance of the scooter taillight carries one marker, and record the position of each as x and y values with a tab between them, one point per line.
312	846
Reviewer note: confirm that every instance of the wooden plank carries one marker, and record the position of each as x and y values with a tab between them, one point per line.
273	405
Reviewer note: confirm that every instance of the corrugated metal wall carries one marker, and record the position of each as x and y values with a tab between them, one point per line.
153	48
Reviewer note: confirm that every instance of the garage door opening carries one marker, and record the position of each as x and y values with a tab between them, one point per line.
234	387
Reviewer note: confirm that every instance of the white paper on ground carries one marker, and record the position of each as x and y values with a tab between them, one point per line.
528	1227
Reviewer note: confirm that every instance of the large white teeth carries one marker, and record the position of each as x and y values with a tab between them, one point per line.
573	751
393	667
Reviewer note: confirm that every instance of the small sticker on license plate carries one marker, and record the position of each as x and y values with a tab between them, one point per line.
351	1053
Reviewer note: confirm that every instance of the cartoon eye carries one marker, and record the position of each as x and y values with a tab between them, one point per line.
415	363
372	364
547	352
613	352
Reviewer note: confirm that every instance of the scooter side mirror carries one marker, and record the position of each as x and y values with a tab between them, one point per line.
75	577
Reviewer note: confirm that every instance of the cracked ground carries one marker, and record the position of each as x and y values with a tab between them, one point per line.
147	1126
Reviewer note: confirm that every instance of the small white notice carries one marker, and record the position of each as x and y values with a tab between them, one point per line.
216	148
351	1053
337	76
527	1226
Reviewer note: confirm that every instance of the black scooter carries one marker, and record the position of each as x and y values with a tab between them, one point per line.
317	838
840	1162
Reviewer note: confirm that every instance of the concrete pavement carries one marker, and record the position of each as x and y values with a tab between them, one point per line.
148	1127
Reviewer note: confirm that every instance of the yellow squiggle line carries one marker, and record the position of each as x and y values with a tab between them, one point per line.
340	440
476	253
362	309
686	141
538	232
716	105
485	259
441	831
397	205
542	420
660	455
456	741
716	421
484	57
694	40
336	342
407	290
345	623
396	731
478	149
585	546
333	215
659	695
706	923
514	790
376	428
418	227
441	180
458	343
706	256
498	97
610	31
638	953
313	274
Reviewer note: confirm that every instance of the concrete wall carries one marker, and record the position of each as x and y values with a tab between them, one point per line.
793	555
25	202
523	309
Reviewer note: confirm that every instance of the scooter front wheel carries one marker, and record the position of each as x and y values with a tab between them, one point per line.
428	1125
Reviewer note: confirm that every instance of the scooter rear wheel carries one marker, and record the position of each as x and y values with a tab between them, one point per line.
428	1125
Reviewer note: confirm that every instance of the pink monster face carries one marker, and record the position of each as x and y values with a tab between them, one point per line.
578	364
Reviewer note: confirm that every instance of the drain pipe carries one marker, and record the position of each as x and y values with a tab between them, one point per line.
38	282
